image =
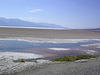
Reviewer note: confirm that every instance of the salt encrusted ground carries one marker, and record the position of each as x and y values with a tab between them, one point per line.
95	45
82	67
17	55
8	66
45	67
49	33
60	49
47	40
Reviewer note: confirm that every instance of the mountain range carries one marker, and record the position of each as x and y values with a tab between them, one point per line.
21	23
98	28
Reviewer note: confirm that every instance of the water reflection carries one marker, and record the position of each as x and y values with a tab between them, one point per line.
44	48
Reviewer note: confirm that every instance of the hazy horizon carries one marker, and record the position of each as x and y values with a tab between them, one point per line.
74	14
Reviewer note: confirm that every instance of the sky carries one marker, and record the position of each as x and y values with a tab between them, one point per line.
74	14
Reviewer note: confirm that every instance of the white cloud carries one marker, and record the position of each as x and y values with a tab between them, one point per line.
35	10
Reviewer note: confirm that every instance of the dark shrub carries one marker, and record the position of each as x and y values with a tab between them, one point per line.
74	57
22	60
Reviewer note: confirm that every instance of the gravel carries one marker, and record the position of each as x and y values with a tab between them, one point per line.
91	67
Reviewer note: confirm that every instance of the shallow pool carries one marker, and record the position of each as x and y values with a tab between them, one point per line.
49	50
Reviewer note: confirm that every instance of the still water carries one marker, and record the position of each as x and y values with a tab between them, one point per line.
44	48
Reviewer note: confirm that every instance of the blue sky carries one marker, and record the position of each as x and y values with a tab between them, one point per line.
68	13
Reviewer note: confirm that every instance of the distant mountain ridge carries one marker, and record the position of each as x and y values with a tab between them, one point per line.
21	23
98	28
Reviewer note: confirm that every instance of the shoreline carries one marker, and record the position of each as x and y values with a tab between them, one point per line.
8	65
65	68
41	66
47	40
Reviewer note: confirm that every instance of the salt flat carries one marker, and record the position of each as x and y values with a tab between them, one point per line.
8	66
48	33
49	36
